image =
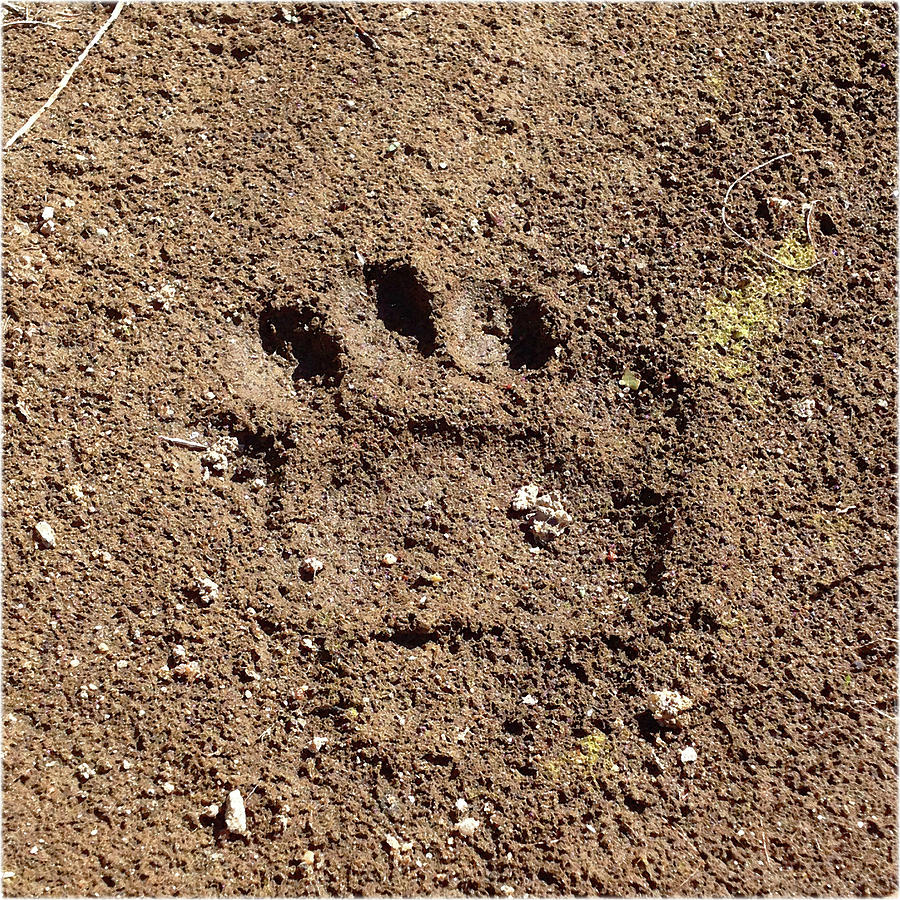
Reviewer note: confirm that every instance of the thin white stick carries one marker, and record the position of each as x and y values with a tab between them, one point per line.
27	126
181	442
750	244
29	22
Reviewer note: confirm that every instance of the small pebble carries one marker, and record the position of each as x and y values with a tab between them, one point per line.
168	787
389	559
528	700
461	805
207	590
235	813
189	671
212	810
688	755
47	213
468	826
45	535
312	566
318	743
666	706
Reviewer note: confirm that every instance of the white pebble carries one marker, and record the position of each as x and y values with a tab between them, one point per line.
389	559
666	706
468	826
207	590
688	755
528	700
318	743
235	813
47	213
312	565
544	513
461	805
45	535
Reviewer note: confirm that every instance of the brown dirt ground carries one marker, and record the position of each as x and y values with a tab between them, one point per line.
360	264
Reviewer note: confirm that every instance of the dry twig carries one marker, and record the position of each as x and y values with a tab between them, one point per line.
686	880
29	22
181	442
52	99
766	848
361	33
750	244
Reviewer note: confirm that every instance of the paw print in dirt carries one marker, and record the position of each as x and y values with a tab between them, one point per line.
396	372
396	330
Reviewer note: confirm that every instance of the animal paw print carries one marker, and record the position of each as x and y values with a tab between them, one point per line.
406	355
400	311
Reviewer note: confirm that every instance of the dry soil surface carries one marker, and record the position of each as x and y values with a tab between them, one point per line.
389	273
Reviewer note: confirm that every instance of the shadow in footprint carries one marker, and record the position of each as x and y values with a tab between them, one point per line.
403	303
531	342
296	333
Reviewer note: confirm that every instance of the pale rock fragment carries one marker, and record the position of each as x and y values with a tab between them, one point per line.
545	514
46	535
216	459
312	566
235	813
206	590
666	706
